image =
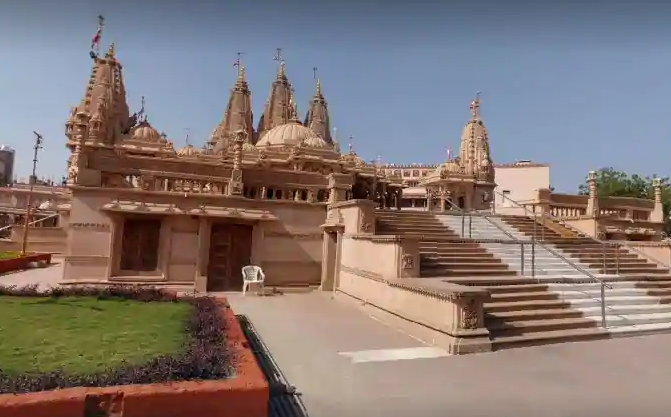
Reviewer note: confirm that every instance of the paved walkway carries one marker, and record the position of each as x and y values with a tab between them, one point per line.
307	335
346	363
44	277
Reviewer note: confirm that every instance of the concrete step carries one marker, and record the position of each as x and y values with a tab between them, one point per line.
460	255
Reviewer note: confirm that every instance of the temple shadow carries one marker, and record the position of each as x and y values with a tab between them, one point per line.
284	400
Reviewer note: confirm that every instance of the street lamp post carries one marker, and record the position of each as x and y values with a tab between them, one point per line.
33	178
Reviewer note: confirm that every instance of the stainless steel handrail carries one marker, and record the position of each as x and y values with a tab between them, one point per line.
51	216
512	237
573	229
604	285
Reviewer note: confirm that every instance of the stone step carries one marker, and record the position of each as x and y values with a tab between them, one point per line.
540	304
461	255
489	281
428	272
457	264
612	311
499	328
549	337
579	294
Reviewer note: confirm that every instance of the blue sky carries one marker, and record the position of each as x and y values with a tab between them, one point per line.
578	87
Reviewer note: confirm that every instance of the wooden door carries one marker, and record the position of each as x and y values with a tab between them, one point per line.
139	245
230	250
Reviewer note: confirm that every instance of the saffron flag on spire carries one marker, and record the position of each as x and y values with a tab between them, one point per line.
95	41
449	153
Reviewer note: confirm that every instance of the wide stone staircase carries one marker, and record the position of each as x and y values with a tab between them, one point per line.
562	302
541	263
442	253
588	252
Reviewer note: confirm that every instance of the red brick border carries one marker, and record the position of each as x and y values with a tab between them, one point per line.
21	262
244	395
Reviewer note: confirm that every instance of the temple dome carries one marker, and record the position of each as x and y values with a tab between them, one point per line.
144	132
292	134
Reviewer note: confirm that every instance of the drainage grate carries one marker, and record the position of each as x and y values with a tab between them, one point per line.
284	399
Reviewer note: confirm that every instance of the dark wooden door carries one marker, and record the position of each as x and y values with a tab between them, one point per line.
139	247
230	250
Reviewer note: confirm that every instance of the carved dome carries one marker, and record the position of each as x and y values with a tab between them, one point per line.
474	129
449	167
144	132
292	134
188	150
353	159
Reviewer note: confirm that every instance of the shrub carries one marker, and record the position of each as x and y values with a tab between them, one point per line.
205	356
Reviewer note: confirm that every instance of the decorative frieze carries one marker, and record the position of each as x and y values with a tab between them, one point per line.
408	261
91	226
362	273
87	260
294	236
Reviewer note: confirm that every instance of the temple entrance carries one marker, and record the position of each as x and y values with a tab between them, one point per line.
139	245
230	250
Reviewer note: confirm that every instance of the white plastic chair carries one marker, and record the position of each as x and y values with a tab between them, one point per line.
252	274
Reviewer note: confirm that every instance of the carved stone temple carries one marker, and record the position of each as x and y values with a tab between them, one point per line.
142	211
465	254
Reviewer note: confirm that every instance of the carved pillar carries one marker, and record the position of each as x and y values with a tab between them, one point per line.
593	201
383	195
657	214
443	203
200	279
264	192
429	200
236	185
397	193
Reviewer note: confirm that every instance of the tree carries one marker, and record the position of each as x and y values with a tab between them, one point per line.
613	183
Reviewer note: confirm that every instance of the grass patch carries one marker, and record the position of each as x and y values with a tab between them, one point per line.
85	335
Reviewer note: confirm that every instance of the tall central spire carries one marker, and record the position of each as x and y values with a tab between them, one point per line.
279	107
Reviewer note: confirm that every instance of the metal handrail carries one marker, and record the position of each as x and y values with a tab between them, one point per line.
604	285
51	216
511	236
570	227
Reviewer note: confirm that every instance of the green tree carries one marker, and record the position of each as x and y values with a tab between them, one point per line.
613	183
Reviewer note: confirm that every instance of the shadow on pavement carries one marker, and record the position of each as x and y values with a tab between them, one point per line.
284	400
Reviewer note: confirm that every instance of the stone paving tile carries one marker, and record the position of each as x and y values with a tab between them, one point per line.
44	277
306	332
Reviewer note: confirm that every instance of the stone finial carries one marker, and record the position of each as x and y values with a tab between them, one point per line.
111	51
657	188
475	106
591	177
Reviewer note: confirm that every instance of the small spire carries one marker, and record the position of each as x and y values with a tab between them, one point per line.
351	146
319	88
475	106
187	139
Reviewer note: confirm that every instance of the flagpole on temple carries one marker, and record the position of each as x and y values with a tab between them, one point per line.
95	41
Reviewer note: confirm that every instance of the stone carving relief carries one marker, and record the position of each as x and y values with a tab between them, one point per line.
408	261
366	226
469	315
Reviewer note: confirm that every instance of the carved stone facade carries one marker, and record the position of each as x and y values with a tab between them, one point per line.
145	212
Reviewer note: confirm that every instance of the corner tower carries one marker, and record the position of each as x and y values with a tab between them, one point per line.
104	102
474	153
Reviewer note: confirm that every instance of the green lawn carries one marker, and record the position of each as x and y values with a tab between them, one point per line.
82	335
9	255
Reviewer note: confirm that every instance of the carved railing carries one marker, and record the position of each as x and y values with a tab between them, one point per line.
197	184
567	206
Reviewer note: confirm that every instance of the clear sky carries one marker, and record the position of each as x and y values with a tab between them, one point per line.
579	86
